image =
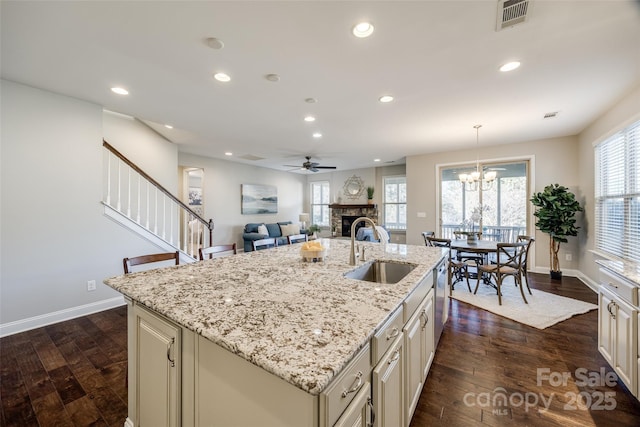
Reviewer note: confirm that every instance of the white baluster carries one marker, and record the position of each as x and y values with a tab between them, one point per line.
139	206
147	226
118	204
108	177
129	192
155	225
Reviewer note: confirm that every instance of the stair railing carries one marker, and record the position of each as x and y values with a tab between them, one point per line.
135	195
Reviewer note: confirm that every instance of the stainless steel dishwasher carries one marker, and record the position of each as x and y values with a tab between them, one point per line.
440	285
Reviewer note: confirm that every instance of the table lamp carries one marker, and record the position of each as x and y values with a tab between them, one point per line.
303	218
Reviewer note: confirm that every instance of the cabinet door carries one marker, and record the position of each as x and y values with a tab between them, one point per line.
157	370
605	326
356	413
413	370
625	347
388	387
428	334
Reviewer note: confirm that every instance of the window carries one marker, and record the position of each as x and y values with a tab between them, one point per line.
320	203
395	203
617	194
504	216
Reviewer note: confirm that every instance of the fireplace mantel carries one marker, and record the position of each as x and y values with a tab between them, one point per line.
339	206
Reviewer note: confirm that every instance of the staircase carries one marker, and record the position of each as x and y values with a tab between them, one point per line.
135	200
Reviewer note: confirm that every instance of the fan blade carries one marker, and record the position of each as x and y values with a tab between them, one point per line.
313	169
325	167
293	166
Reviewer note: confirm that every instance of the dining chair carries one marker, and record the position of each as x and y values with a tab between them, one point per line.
297	238
217	251
509	257
525	262
147	259
426	234
269	242
456	268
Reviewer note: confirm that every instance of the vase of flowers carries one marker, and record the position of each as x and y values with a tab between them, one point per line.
472	233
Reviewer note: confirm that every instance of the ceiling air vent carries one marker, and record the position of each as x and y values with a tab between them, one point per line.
512	12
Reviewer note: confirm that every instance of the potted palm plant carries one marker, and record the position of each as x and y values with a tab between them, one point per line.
370	191
313	230
556	211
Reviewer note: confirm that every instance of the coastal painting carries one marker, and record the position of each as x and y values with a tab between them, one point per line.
259	199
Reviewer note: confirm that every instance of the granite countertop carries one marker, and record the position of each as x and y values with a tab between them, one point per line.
300	321
628	270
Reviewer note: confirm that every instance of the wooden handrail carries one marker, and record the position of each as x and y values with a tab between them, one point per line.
209	224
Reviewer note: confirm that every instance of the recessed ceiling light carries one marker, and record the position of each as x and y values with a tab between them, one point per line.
385	98
363	29
309	119
376	160
317	135
214	43
222	77
120	90
168	126
510	66
228	153
272	77
310	100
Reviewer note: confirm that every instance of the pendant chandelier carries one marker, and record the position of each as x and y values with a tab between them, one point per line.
477	179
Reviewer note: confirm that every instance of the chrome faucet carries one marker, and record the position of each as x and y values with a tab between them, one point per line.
352	255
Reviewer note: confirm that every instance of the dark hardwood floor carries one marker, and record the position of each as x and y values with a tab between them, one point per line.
73	373
67	374
482	356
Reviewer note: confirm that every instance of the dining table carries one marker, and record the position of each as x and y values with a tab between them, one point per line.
483	247
480	247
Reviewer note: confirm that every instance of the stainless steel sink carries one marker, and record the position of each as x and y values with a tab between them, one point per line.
381	272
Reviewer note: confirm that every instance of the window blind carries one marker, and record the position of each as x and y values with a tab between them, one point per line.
617	194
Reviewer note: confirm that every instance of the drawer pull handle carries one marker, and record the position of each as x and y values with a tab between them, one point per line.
169	347
394	333
396	356
609	309
612	285
356	385
373	412
425	316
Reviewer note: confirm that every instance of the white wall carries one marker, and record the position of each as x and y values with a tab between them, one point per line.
144	147
554	161
222	201
623	113
54	236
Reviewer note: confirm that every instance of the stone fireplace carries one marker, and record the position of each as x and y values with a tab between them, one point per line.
342	216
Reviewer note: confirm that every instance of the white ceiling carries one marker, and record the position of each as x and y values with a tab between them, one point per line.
439	59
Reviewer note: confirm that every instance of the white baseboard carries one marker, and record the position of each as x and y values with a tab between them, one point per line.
58	316
128	423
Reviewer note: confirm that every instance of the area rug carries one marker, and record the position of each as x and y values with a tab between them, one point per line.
544	309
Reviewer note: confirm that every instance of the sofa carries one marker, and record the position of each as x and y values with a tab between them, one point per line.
274	230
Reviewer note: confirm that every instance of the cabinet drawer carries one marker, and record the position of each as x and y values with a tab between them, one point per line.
619	286
383	339
337	396
414	299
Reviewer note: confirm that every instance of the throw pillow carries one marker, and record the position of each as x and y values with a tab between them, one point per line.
262	229
289	229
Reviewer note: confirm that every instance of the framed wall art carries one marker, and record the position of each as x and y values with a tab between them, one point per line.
259	199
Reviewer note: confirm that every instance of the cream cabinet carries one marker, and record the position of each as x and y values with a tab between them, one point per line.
388	387
358	412
419	351
155	370
618	335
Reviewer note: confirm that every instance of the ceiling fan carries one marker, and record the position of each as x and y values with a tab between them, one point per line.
311	166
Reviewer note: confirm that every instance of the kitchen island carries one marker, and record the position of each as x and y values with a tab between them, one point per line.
269	324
